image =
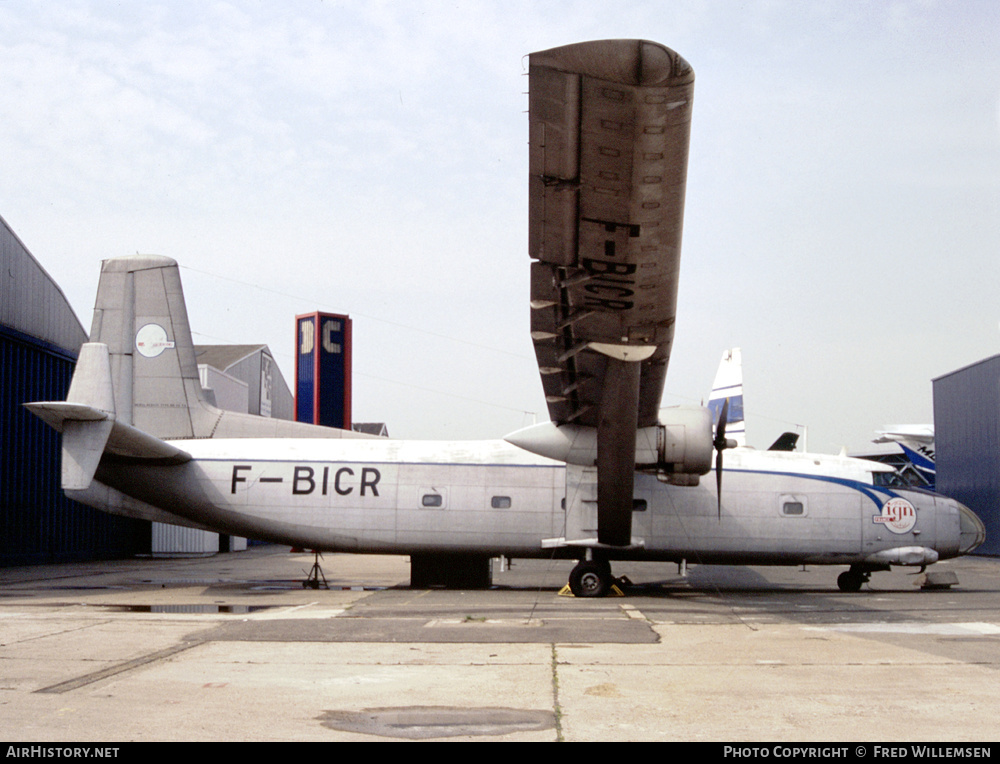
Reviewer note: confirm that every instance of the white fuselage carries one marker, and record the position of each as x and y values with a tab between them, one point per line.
491	498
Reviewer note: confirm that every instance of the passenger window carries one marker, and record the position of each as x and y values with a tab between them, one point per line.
432	500
638	505
793	508
500	502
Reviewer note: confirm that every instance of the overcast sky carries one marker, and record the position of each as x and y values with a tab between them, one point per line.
843	208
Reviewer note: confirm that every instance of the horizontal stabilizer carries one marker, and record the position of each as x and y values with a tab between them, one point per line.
123	440
88	433
86	418
89	427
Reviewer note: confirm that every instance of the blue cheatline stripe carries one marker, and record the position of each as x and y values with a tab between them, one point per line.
871	491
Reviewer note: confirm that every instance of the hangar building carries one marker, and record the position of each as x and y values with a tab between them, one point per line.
967	439
40	338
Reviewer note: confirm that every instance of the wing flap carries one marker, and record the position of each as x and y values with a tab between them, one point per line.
609	127
609	130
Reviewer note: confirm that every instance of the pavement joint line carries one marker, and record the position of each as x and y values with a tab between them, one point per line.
556	705
633	612
119	668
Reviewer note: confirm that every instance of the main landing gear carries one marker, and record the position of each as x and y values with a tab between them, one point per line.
851	580
591	578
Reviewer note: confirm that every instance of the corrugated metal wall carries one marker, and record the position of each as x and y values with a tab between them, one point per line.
30	301
37	522
967	442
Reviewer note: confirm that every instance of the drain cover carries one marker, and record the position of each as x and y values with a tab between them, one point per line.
421	722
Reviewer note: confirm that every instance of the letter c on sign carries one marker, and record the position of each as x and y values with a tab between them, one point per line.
329	327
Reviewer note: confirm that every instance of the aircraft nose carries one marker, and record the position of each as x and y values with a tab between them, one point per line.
971	531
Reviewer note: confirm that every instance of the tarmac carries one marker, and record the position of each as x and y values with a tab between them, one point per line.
234	648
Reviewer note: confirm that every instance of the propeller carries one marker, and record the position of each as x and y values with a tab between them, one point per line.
721	443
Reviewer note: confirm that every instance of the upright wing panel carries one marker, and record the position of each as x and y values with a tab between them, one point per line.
609	131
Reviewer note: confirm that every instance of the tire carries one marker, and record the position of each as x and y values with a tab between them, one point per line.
590	579
849	581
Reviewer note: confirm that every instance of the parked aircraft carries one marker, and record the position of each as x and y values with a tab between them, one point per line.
917	444
611	477
728	386
728	389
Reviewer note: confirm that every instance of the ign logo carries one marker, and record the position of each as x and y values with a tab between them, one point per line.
898	515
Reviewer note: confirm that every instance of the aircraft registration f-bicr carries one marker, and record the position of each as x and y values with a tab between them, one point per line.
611	477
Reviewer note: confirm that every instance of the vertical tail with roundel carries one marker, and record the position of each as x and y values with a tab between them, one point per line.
136	382
141	317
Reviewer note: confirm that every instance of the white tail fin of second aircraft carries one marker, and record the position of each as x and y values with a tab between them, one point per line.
729	384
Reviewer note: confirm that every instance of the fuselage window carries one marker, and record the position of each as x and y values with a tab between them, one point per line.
432	500
793	508
500	502
638	505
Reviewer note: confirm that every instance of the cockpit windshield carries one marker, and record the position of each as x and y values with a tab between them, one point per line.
891	479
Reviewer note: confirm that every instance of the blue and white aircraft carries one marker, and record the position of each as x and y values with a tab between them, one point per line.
728	387
610	477
916	441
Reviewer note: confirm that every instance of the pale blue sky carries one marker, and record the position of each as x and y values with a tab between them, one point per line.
843	210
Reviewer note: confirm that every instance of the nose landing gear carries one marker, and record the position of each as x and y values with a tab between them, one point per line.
851	580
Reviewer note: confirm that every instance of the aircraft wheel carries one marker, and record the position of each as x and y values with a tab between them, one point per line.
851	581
590	579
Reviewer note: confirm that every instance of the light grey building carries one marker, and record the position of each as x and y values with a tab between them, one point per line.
242	378
267	392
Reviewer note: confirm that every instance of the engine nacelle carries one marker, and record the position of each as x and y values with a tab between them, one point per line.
680	444
683	441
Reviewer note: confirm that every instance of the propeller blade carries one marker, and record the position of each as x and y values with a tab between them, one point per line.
720	446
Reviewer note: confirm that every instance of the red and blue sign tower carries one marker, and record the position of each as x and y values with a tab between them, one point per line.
323	369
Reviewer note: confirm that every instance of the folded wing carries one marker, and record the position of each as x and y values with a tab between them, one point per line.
609	130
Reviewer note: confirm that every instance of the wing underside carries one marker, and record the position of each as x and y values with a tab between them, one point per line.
609	130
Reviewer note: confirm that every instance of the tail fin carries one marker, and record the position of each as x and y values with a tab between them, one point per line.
136	382
729	384
141	319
